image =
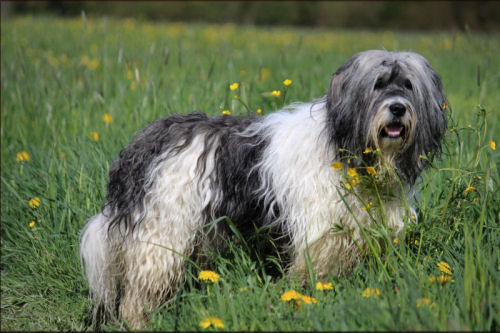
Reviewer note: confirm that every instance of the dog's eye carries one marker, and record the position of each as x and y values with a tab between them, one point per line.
408	85
379	84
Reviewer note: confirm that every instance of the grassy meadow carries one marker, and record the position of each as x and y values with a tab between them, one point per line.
74	91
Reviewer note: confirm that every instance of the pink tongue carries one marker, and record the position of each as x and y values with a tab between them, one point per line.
394	131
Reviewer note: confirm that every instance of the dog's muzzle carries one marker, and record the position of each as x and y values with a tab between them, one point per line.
396	128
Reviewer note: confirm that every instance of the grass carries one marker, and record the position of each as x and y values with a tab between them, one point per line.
61	76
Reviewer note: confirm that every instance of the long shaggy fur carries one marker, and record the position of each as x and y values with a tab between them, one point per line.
182	172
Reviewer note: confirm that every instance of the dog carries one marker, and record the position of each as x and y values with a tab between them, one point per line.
382	119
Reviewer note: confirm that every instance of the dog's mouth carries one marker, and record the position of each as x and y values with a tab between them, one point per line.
394	130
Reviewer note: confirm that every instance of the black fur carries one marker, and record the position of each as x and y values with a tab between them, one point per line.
234	176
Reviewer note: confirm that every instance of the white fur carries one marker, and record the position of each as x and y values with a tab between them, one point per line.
297	177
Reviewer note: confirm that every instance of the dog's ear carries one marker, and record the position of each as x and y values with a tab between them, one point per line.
337	84
437	105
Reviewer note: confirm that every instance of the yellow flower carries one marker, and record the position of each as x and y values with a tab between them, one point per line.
32	224
94	136
22	156
368	150
259	111
469	189
371	171
492	144
293	295
424	302
242	289
290	295
276	93
107	118
444	267
130	75
395	241
324	286
351	172
374	292
226	112
308	299
445	105
287	82
337	166
84	60
413	217
442	279
211	321
234	86
209	276
35	202
368	206
264	73
94	64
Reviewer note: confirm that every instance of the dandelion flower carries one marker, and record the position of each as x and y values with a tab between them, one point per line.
444	267
368	150
35	202
287	82
234	86
492	144
442	279
94	64
84	60
209	276
211	321
107	118
424	302
276	93
395	241
469	189
371	171
259	111
226	112
265	74
22	156
290	295
308	299
298	298
337	166
94	136
351	172
371	292
324	286
368	206
32	224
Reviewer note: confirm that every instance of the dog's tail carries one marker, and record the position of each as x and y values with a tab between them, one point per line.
97	259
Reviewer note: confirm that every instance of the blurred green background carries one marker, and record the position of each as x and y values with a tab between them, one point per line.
404	15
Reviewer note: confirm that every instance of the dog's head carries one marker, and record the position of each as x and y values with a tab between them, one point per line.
393	101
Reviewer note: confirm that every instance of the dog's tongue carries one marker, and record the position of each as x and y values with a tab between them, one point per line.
394	130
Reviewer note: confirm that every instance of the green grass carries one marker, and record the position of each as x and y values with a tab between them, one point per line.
53	97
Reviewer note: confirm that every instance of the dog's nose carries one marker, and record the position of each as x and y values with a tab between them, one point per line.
397	109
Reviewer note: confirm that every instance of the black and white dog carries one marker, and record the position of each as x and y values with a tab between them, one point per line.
383	110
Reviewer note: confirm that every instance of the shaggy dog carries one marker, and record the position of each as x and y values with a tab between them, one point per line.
383	112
